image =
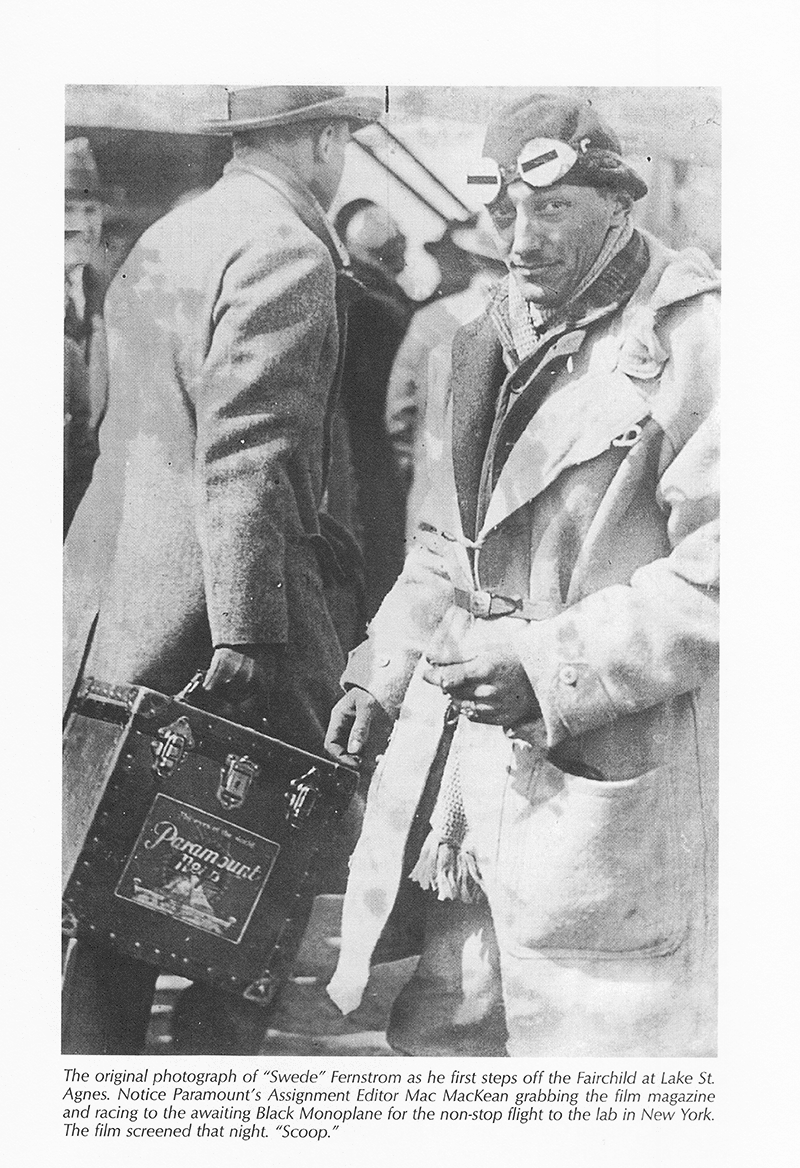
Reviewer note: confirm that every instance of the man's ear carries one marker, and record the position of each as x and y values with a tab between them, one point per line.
620	203
324	141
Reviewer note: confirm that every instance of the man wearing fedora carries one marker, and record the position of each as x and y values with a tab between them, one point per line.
198	538
545	807
85	357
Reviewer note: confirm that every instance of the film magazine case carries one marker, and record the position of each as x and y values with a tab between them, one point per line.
191	842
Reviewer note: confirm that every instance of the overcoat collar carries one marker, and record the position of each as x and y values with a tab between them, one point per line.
565	428
580	418
477	371
285	182
577	423
488	345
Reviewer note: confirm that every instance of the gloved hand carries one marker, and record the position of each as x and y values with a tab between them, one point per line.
240	681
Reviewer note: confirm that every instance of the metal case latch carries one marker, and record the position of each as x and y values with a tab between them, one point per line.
175	740
301	797
237	775
263	989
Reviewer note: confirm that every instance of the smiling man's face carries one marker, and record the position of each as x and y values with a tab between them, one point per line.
553	235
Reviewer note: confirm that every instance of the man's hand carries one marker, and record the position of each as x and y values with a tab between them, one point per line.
490	687
240	681
350	724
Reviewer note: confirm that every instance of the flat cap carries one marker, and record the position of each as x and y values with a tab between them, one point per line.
599	160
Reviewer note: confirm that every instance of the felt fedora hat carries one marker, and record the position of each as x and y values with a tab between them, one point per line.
262	106
81	176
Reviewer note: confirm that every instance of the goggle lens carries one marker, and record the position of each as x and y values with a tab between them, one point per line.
543	161
540	163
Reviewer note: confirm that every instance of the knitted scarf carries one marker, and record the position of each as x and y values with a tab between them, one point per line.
447	863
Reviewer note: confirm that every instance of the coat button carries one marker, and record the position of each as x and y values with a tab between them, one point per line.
568	674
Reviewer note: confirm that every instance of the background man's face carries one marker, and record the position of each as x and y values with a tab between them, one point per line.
552	236
83	225
393	254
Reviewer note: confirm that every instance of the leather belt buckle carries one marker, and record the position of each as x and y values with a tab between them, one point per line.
480	603
486	604
503	605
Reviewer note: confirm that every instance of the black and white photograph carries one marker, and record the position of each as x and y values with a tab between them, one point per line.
391	570
414	791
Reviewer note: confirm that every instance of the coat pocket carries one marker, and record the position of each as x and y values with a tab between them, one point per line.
590	866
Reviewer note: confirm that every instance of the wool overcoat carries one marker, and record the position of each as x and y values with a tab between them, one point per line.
593	826
199	524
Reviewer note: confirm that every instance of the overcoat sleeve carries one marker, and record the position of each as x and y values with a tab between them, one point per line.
629	647
402	629
261	398
412	611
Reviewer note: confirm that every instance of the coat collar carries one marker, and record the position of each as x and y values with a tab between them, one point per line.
478	369
577	423
285	182
477	372
582	417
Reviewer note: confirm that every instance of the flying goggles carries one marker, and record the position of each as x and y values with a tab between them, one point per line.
540	163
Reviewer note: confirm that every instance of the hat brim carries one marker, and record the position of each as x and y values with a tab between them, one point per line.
618	176
96	194
362	111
